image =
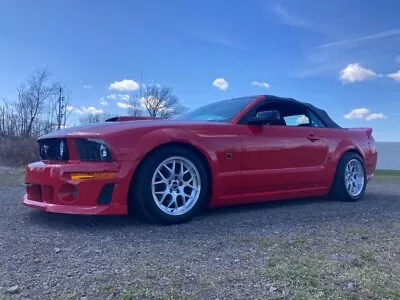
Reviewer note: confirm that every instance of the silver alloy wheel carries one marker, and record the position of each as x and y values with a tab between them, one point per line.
354	177
176	185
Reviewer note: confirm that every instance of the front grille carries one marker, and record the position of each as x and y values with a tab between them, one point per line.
49	149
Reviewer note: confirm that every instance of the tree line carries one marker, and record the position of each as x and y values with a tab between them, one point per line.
39	108
42	105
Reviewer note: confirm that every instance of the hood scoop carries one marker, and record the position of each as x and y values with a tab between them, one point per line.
129	118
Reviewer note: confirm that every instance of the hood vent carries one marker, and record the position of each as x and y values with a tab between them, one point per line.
128	118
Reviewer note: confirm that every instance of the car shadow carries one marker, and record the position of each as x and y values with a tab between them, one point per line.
304	209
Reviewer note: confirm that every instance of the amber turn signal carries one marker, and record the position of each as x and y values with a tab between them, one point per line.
100	175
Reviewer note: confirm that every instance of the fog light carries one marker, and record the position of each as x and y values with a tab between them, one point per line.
68	193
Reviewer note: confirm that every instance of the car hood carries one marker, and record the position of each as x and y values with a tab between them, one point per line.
104	128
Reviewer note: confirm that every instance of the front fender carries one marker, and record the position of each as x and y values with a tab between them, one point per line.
159	137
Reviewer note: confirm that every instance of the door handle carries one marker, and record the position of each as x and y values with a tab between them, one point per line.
313	138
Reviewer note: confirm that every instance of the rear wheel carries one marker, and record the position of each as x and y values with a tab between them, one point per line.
350	179
172	186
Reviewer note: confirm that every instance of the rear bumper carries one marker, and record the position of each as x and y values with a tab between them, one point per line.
49	187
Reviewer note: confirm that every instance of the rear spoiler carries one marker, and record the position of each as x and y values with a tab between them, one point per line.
129	118
367	130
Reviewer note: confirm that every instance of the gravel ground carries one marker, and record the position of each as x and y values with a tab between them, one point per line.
302	249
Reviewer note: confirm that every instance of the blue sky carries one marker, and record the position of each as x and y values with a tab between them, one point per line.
340	55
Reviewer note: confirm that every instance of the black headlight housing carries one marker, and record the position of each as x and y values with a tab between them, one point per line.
53	149
95	150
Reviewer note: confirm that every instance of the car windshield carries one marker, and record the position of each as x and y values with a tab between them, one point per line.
222	111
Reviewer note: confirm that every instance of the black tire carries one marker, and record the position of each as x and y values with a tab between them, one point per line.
141	198
338	189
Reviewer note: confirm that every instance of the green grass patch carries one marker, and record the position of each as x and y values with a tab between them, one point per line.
384	173
387	176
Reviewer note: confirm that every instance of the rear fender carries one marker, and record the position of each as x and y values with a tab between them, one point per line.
343	147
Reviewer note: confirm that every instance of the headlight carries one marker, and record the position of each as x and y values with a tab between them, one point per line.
93	150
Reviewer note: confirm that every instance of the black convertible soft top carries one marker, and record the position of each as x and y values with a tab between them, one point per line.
322	114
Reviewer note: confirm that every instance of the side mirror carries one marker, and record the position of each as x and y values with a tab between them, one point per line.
265	117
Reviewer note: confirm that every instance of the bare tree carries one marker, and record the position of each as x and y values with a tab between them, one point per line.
136	108
58	107
8	120
33	96
95	118
157	102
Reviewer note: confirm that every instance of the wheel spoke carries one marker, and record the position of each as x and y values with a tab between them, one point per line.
168	168
161	174
164	196
161	181
173	167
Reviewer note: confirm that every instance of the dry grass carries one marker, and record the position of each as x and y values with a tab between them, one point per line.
18	152
10	177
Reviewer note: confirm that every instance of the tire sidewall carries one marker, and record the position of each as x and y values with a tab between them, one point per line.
144	196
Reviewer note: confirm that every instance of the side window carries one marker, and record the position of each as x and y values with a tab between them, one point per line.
292	115
297	120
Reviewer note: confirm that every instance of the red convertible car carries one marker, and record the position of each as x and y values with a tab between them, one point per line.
243	150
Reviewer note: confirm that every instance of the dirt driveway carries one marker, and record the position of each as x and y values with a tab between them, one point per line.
302	249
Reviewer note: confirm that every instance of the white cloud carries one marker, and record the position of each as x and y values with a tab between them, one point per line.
221	84
87	86
358	113
395	76
91	110
112	96
123	105
104	102
124	85
364	114
355	72
124	97
375	116
85	110
260	84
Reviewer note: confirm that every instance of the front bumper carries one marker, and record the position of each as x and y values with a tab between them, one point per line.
49	187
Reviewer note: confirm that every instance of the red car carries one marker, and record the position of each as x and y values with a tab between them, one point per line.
242	150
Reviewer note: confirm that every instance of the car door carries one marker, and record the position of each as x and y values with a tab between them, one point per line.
283	157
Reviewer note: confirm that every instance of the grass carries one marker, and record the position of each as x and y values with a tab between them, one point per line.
11	177
309	272
387	175
336	265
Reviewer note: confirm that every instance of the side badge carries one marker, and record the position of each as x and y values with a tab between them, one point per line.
229	156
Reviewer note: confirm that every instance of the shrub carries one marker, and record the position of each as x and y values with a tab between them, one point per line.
18	152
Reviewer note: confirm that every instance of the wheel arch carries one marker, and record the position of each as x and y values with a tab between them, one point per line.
206	160
339	158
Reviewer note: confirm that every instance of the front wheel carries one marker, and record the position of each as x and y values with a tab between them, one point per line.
172	186
350	179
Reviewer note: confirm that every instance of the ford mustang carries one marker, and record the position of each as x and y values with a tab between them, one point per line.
242	150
